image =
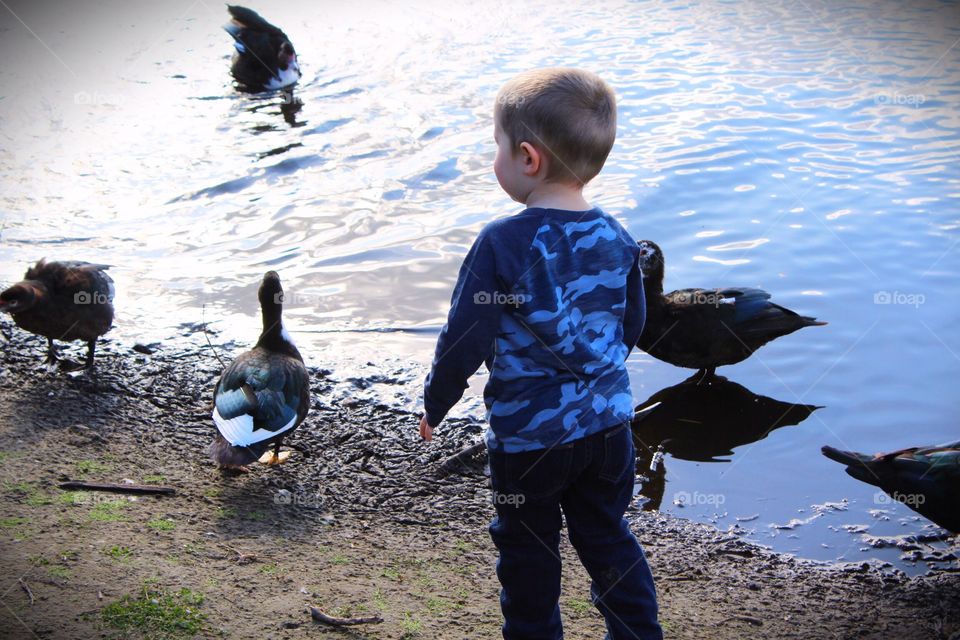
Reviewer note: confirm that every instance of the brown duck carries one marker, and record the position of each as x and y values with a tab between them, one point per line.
66	301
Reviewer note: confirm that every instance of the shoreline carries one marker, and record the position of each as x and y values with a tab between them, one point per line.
358	522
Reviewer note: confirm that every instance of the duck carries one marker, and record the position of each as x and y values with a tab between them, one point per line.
263	394
707	328
69	300
926	479
264	58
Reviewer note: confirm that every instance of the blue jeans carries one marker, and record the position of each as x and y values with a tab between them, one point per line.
592	481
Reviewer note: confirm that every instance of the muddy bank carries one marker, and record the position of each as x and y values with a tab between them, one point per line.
358	522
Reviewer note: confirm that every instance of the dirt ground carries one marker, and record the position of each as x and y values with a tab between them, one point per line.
360	522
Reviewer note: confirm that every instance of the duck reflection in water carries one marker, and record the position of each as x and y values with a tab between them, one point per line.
703	423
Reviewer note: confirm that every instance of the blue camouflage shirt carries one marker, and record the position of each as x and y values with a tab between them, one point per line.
552	301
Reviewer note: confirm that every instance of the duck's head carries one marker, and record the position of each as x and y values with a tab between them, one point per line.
19	297
287	57
650	260
271	292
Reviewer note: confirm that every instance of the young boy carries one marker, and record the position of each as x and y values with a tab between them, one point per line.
552	300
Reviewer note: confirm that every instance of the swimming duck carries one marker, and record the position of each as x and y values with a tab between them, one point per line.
264	59
708	328
264	394
926	479
68	301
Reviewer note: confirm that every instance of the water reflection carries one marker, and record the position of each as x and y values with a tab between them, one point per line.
703	423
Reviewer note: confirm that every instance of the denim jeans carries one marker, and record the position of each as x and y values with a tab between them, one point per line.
591	480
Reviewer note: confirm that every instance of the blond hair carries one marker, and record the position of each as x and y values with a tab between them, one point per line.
568	114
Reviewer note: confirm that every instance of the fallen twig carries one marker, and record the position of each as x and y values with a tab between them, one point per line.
23	585
320	616
461	458
748	619
117	488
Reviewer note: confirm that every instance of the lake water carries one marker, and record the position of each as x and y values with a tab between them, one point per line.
809	148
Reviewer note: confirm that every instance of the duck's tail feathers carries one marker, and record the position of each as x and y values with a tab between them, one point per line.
223	453
845	457
812	322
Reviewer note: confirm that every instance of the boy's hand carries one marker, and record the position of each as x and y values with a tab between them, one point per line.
426	431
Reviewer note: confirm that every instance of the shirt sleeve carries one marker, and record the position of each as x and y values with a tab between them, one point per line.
467	338
635	313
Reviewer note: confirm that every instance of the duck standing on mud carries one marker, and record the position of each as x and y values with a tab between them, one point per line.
264	59
707	328
68	301
264	394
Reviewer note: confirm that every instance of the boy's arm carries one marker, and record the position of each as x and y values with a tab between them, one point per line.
635	313
467	338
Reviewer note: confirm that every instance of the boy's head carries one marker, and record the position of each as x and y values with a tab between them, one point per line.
568	116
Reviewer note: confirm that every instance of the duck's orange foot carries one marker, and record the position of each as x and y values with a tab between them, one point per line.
272	459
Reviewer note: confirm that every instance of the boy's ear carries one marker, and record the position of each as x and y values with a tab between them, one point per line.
532	159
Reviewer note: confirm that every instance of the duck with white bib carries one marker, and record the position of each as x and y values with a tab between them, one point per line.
264	394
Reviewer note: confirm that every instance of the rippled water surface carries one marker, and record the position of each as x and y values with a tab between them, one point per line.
807	148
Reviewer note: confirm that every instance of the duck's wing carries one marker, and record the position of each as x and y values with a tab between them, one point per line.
259	398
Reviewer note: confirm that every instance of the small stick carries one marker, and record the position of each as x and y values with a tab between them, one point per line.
450	464
26	588
203	319
748	619
320	616
118	488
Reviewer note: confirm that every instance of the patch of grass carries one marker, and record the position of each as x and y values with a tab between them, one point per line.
109	511
339	558
162	524
194	548
154	479
391	572
90	466
38	560
12	523
226	512
73	497
156	612
379	600
254	515
213	492
59	572
410	625
438	606
38	499
462	546
578	606
118	553
16	487
8	455
68	554
271	569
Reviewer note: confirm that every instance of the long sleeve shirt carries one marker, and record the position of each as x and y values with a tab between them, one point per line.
553	302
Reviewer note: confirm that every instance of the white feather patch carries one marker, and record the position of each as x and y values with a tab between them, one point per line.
287	77
239	431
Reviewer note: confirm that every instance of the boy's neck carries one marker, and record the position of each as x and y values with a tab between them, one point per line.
557	195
